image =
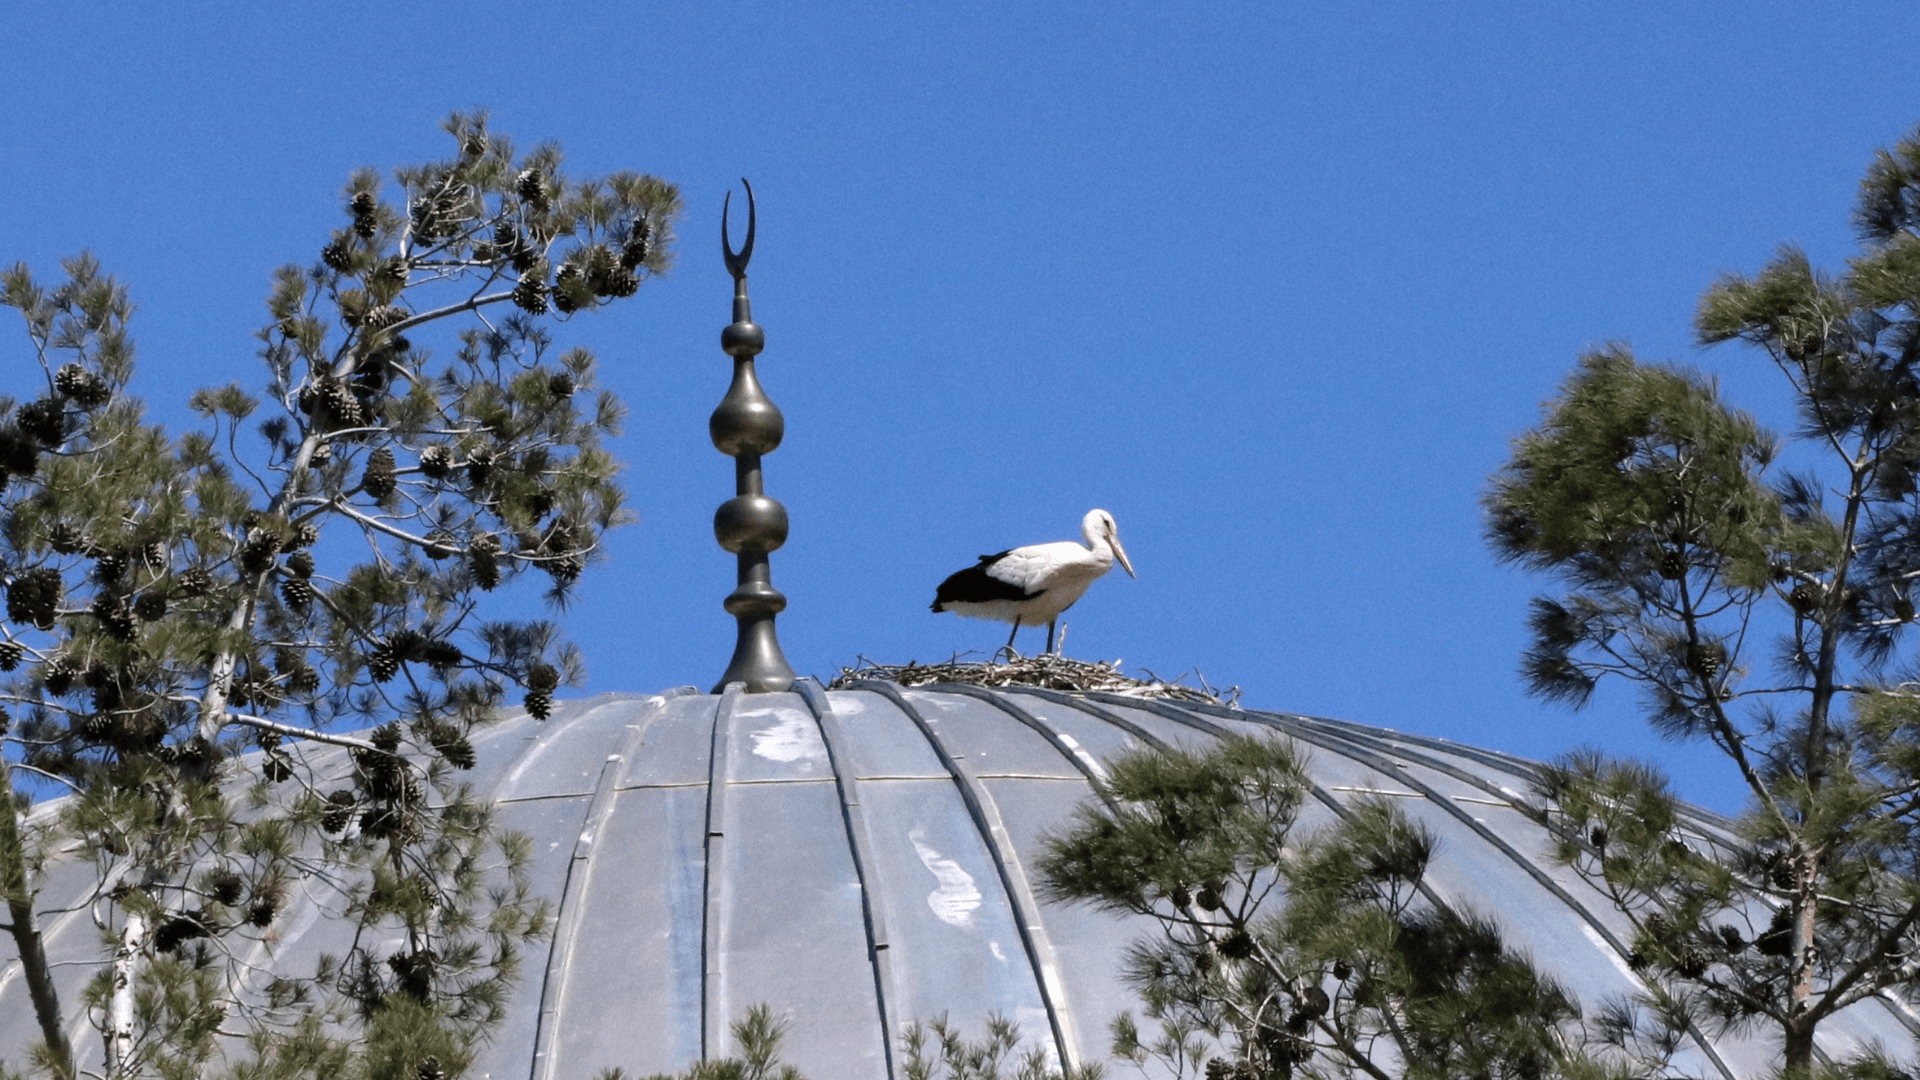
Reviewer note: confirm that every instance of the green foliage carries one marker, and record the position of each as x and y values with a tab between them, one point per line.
315	557
937	1050
758	1035
1760	613
1323	954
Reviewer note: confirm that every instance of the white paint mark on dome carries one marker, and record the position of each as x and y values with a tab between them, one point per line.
1099	771
794	738
999	955
953	902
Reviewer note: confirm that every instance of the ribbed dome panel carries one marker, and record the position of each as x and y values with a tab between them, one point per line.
861	859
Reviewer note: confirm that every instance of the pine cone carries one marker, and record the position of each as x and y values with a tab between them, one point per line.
532	187
276	769
111	612
300	564
66	539
303	679
339	812
298	593
414	972
83	387
153	554
304	535
333	402
479	466
58	675
539	502
1672	565
1690	963
336	256
384	316
386	737
378	481
1903	609
193	582
560	384
543	676
439	545
262	912
34	597
1731	938
1805	598
1237	945
179	930
70	378
1706	659
565	569
362	205
44	420
1342	970
638	246
382	663
18	456
258	551
539	704
440	654
10	654
223	885
1778	939
458	751
531	296
619	282
482	559
436	462
109	566
430	1069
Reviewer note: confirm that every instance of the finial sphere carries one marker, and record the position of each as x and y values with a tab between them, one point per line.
743	339
750	523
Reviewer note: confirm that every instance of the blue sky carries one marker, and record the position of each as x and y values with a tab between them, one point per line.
1274	283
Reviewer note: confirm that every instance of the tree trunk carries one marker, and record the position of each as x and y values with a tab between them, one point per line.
118	1034
26	934
1797	1055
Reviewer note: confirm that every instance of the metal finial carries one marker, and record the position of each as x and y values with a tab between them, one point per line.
737	263
745	426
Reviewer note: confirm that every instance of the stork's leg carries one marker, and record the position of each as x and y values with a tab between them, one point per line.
1050	636
1016	630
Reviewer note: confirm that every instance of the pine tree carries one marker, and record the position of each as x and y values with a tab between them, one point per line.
1350	968
174	600
1760	612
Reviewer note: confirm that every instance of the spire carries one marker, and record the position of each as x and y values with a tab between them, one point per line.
745	426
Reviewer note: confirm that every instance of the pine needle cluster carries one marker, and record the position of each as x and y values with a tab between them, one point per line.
309	561
1286	952
1760	612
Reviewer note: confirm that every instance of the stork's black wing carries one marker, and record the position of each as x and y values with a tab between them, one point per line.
975	585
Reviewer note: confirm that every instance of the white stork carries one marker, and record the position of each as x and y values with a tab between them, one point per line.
1027	586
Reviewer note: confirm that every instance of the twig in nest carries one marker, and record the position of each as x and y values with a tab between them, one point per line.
1048	671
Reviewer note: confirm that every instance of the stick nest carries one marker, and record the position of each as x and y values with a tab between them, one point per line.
1047	671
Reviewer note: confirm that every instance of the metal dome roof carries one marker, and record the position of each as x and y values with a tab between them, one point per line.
859	859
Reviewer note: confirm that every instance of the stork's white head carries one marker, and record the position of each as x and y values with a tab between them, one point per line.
1099	529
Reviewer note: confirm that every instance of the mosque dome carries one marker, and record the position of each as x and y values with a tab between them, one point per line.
859	859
